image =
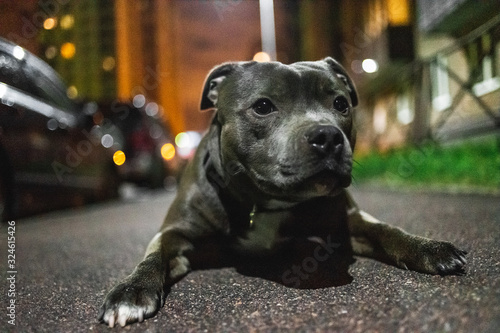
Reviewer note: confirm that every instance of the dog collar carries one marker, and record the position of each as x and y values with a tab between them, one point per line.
252	213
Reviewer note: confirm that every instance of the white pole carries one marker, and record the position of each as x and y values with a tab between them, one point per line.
267	31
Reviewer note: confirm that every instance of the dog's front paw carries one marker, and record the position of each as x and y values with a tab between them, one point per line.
436	257
128	303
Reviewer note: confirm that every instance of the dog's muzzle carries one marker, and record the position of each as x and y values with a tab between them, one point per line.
330	154
326	141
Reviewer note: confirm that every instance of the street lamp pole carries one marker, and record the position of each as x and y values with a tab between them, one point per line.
267	30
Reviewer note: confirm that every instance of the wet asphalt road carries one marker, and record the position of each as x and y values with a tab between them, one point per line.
66	262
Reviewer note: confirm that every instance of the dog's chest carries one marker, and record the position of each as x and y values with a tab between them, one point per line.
264	232
267	230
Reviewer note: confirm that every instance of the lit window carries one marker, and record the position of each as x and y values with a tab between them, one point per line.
405	112
398	12
488	81
379	119
441	98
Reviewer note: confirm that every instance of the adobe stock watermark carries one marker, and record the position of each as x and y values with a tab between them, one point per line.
11	291
150	81
412	161
298	273
75	155
360	42
221	7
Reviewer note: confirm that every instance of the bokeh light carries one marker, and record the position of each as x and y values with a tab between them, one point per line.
119	157
68	50
168	151
50	23
262	57
369	65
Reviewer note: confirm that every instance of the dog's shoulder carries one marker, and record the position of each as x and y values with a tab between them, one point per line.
198	199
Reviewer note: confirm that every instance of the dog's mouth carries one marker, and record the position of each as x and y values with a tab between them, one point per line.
323	181
299	183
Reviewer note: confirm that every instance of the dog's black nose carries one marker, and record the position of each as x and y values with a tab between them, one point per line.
326	140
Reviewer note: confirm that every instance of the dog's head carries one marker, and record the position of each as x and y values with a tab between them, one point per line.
288	128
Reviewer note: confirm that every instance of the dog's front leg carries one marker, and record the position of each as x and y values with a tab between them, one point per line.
142	294
373	238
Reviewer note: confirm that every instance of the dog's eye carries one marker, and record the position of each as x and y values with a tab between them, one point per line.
341	104
263	107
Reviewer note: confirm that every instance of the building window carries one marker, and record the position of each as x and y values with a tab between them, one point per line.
441	98
404	108
398	12
488	75
379	118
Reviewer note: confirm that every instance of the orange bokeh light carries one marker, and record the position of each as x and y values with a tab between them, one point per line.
68	50
119	157
168	151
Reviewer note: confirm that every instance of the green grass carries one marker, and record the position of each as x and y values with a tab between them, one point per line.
468	165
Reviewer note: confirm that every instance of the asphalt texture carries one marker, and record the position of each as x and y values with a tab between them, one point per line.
67	261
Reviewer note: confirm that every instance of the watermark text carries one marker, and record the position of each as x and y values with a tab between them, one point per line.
11	273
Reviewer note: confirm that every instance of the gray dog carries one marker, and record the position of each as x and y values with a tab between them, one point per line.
273	168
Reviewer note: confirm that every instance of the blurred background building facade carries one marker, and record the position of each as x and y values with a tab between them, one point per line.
424	69
437	70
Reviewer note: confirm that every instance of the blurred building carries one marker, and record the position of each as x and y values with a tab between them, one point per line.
19	23
377	41
170	47
459	48
166	48
426	70
163	50
78	40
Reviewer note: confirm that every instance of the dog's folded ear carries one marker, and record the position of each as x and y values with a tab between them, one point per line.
342	74
210	92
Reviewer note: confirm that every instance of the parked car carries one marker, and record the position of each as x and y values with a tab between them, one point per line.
148	155
51	155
